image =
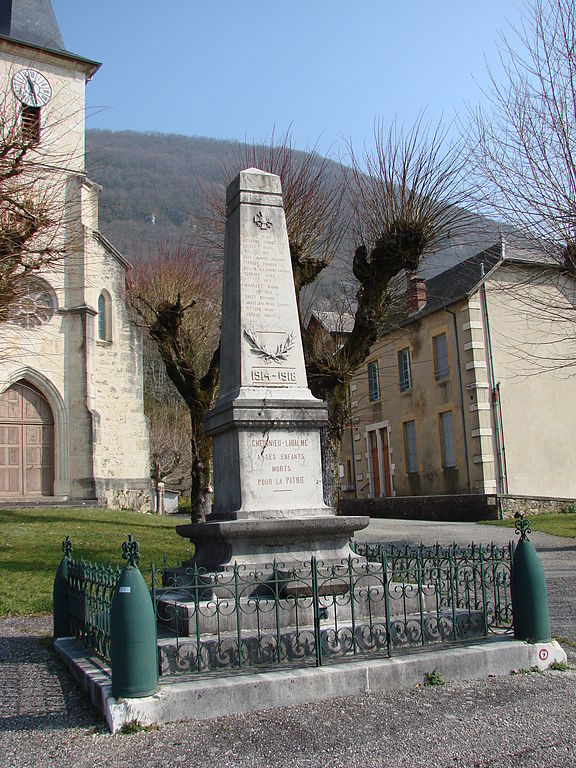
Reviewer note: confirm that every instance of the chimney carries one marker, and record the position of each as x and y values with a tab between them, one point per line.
415	292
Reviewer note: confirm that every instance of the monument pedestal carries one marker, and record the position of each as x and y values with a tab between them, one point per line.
254	544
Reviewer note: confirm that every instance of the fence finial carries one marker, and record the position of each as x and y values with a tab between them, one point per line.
522	526
131	551
67	547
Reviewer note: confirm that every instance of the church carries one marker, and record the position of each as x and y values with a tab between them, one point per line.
72	424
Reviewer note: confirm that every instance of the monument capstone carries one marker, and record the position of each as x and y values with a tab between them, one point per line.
265	425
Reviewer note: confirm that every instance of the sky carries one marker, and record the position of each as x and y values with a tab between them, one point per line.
241	69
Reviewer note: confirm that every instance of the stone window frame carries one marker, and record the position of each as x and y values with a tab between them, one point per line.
447	439
373	381
440	356
104	317
410	447
405	369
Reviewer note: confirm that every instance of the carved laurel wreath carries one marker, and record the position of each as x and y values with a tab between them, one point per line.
260	350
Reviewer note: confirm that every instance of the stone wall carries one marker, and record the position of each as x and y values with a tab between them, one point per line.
457	508
534	505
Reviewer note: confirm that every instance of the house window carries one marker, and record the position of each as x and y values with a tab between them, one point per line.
404	370
441	367
30	122
447	439
104	317
373	382
410	450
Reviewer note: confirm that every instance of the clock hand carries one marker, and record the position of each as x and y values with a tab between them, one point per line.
32	89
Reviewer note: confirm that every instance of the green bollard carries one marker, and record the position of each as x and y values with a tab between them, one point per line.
529	594
61	612
133	652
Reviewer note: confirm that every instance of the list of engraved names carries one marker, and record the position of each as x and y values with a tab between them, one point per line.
265	278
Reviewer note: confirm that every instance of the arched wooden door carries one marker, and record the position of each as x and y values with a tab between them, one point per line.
26	442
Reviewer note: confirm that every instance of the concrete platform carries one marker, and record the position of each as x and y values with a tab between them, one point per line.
208	697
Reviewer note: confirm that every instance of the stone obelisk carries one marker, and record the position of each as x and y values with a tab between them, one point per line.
265	425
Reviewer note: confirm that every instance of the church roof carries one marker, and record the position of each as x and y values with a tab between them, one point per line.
31	21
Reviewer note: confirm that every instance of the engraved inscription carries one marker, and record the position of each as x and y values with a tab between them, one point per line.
273	376
264	275
282	461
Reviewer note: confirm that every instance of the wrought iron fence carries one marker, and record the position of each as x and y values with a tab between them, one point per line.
474	577
90	590
384	600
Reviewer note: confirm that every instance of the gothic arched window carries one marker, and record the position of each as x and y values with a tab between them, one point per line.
104	317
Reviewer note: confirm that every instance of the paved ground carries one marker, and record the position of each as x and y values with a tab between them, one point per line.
519	720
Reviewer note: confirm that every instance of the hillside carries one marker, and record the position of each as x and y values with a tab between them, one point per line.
154	185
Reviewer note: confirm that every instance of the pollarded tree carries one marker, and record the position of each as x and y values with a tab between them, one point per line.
405	196
175	292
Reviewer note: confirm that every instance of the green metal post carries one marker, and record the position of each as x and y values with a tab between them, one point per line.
133	651
528	587
60	594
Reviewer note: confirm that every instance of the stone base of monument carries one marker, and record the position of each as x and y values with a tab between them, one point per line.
202	697
254	543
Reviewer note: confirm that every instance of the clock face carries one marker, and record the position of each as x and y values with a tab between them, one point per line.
31	88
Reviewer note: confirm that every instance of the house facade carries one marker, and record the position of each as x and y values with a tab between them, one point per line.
72	424
470	394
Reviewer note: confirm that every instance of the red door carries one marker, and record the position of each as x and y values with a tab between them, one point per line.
375	463
26	442
386	460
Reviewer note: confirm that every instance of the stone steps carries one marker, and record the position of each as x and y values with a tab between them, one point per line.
297	645
177	610
45	502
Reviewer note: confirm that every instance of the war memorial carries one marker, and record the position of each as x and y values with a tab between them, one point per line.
275	591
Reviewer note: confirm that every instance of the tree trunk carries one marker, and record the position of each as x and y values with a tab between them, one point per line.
200	491
330	450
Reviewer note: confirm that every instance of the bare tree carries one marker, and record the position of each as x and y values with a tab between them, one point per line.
523	139
32	202
176	293
405	197
170	442
523	144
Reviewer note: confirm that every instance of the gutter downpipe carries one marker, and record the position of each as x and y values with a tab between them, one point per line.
352	445
466	458
502	486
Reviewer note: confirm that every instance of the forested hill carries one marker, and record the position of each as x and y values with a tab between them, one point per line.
154	185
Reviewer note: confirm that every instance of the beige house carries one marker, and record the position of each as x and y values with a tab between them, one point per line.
470	393
71	404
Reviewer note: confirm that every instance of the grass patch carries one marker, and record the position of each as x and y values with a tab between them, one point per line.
559	666
30	548
560	524
433	678
535	670
135	726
